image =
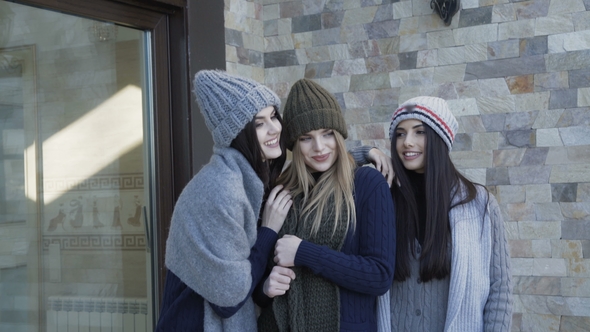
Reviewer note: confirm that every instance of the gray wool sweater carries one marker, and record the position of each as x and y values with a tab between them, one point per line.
210	254
477	296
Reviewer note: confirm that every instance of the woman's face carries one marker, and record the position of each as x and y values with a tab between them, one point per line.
268	129
410	144
319	149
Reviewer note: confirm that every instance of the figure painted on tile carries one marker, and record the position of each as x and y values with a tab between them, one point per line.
76	212
339	237
95	215
135	219
116	223
452	268
57	220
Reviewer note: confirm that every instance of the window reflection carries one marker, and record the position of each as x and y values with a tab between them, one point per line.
72	223
14	69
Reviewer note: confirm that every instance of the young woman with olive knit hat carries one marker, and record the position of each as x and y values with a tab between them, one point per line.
452	269
339	236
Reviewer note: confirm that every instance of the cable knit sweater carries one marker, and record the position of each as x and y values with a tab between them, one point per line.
477	296
214	253
363	268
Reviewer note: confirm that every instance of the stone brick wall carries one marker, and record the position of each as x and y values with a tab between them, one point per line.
516	75
244	49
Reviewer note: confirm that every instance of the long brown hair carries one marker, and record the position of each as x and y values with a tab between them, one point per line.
441	181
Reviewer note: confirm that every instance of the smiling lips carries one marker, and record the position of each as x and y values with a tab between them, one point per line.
272	142
410	155
321	158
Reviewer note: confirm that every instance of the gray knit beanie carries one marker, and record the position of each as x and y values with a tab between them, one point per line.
229	102
310	107
432	111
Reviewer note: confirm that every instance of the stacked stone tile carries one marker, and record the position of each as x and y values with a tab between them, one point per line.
517	76
244	49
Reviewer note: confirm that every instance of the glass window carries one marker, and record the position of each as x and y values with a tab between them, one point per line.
74	174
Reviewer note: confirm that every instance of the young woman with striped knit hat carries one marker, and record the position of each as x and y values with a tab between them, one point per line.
452	270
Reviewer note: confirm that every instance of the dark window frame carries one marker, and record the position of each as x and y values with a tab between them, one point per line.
166	20
187	36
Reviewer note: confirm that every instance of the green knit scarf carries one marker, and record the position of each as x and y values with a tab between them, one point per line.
312	302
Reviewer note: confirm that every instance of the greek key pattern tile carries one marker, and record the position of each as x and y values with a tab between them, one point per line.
103	182
97	242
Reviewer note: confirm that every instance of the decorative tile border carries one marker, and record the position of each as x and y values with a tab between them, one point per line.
97	242
101	182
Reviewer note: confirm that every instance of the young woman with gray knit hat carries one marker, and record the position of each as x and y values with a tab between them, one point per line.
215	252
339	236
452	268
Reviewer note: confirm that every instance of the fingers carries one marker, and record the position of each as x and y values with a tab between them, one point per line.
288	205
384	165
279	281
390	172
390	176
285	273
283	198
379	165
273	193
285	250
279	197
277	207
386	169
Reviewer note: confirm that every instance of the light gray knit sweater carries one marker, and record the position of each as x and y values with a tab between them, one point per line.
479	287
211	235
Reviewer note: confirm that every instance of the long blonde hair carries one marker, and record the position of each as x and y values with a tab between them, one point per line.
338	181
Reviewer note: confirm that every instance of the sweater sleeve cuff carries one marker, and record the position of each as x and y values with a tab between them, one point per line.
307	253
360	154
266	238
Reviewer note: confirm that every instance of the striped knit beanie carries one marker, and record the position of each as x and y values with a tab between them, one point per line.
432	111
311	107
228	102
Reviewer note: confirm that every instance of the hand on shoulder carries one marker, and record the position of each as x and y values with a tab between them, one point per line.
277	207
382	163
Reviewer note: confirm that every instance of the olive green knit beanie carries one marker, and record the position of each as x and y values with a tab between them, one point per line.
310	107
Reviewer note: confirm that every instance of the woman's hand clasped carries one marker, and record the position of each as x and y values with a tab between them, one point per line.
277	206
278	282
286	249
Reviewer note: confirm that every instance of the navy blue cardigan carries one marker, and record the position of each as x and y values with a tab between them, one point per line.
364	267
